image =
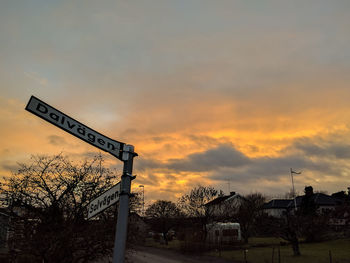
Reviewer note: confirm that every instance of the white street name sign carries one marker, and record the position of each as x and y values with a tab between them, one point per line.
61	120
104	201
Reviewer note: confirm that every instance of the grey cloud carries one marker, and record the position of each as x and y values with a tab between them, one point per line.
9	166
143	164
323	148
274	168
160	139
222	156
56	140
340	151
267	168
149	180
203	140
225	163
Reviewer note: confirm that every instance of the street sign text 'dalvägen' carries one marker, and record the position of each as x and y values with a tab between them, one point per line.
61	120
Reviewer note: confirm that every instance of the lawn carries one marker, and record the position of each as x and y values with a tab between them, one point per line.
260	250
311	253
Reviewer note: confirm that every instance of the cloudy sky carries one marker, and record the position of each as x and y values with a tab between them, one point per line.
225	93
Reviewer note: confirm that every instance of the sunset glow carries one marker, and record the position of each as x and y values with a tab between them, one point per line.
230	94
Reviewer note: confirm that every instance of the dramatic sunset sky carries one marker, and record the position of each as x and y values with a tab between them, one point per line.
225	93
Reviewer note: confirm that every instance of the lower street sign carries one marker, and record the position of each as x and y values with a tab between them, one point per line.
104	201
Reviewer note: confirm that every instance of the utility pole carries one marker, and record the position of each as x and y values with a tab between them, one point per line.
291	175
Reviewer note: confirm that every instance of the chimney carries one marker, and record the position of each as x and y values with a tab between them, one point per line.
309	190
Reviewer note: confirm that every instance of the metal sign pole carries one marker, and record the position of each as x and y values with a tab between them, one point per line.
122	223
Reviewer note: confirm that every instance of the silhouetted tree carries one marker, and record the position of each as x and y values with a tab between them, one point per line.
163	216
248	213
291	194
49	197
288	228
192	204
193	207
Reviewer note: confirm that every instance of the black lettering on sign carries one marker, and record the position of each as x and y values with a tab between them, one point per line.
81	130
91	137
110	146
54	116
41	108
71	126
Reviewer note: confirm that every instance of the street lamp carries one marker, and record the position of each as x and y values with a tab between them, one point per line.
143	198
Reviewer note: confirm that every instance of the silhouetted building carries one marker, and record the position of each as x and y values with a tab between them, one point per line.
277	207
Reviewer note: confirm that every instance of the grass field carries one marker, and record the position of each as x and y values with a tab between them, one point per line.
310	253
260	250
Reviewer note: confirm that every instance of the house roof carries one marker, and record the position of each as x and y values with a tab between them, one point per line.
277	203
319	199
221	199
323	199
217	200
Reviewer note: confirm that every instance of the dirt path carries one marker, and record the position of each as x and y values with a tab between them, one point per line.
156	255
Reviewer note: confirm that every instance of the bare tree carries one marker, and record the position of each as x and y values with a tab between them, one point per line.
193	207
193	204
48	199
291	194
288	228
248	213
163	216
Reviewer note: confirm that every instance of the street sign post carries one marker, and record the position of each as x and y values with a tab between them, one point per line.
104	201
122	222
122	151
